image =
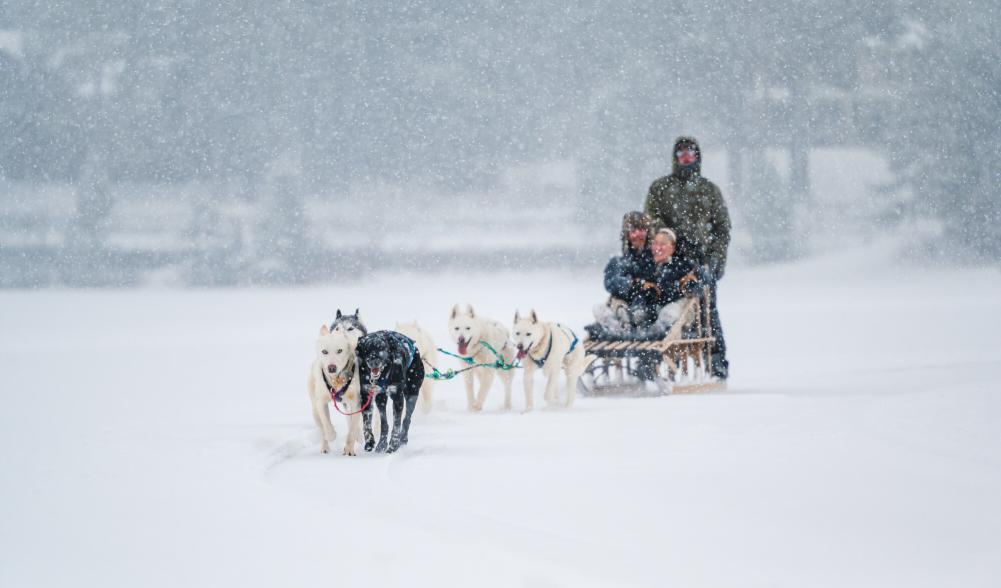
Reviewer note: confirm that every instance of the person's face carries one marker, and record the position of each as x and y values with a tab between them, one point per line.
686	155
637	238
662	247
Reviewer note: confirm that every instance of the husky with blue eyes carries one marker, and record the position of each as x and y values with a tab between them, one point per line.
334	378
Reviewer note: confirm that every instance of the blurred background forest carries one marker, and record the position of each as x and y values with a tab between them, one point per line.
241	143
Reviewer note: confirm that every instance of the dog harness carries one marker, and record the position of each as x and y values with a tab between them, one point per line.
573	343
471	359
498	364
337	395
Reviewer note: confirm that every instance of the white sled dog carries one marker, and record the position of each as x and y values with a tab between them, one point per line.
470	332
549	347
334	378
425	345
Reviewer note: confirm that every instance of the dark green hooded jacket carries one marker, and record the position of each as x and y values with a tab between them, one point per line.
693	207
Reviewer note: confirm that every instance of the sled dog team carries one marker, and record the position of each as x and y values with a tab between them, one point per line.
355	369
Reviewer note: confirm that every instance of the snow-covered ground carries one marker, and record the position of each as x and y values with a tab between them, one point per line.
163	438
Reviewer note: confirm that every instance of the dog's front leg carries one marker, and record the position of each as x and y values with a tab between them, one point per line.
528	383
354	426
468	377
552	383
321	414
367	420
380	401
394	442
572	377
506	376
486	379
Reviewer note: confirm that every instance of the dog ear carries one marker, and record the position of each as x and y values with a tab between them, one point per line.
338	314
470	311
324	331
535	319
455	311
517	316
357	313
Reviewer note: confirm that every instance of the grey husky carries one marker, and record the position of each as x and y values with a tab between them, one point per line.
349	324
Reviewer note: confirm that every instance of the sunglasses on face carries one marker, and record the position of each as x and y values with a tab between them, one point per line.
688	151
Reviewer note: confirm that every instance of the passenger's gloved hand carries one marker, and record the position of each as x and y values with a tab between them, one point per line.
636	289
689	285
650	286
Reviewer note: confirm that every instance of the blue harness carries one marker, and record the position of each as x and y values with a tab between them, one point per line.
541	362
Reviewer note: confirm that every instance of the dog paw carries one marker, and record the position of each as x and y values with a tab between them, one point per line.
381	446
476	407
369	445
325	448
349	450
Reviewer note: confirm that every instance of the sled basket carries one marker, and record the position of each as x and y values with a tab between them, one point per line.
679	362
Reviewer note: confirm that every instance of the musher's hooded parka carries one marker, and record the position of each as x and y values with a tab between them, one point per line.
692	207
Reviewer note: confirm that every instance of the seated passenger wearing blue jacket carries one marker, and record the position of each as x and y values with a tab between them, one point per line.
625	276
643	282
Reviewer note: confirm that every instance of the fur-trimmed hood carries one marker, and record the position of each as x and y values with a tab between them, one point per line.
632	220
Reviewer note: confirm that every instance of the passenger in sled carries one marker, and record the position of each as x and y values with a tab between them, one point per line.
644	283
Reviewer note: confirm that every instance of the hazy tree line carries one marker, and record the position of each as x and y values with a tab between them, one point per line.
447	95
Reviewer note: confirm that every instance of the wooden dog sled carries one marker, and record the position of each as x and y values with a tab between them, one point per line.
680	362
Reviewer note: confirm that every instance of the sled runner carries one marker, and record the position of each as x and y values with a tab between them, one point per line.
679	362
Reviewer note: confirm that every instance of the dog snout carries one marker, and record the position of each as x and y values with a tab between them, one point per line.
331	368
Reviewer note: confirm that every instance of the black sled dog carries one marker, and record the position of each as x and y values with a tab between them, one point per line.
390	366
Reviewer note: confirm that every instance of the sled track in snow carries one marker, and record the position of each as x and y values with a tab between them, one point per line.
285	450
